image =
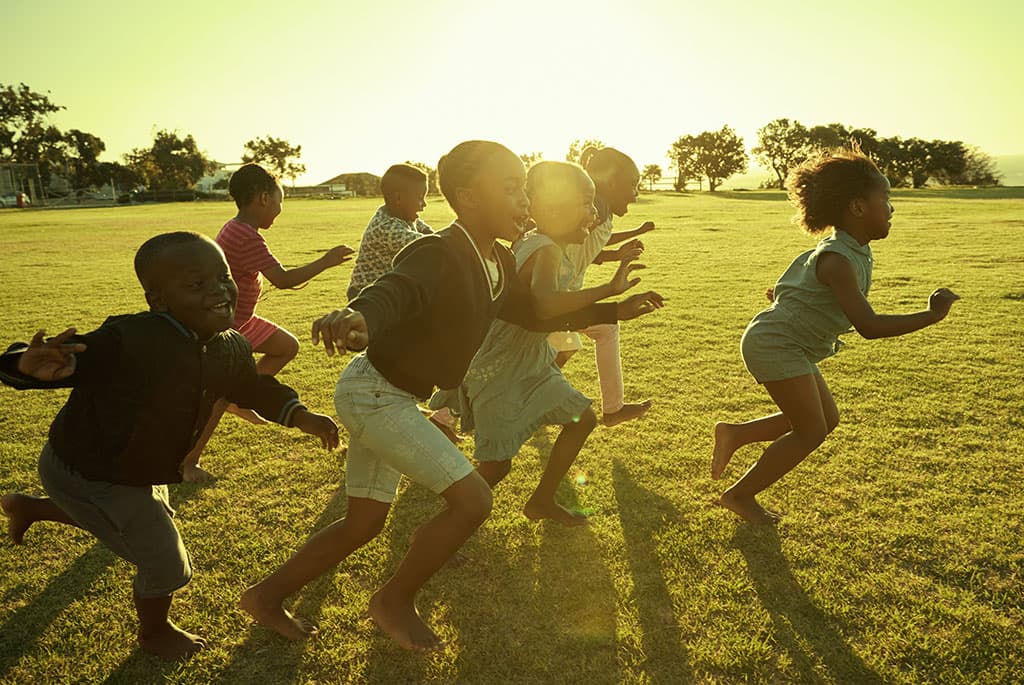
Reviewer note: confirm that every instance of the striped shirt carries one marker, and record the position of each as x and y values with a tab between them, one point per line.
247	254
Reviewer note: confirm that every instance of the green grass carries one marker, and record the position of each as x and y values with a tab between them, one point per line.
899	559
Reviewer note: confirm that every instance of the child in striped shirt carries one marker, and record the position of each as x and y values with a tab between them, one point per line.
258	196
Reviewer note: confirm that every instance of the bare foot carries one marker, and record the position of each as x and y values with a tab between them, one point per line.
246	414
535	511
724	449
171	643
749	509
274	616
18	519
194	473
402	623
627	413
449	431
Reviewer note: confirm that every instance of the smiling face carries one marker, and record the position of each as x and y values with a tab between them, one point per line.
623	189
563	206
497	199
191	283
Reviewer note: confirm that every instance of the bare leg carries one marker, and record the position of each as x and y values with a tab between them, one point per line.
562	357
729	437
541	504
323	551
393	607
277	350
801	401
494	471
22	511
159	636
627	412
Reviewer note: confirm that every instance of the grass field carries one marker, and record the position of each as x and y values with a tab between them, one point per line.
899	559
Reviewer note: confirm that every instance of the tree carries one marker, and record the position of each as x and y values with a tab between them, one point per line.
716	155
22	117
531	158
171	163
652	173
828	137
277	155
577	147
782	144
979	169
683	154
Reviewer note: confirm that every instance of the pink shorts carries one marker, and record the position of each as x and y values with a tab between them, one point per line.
257	330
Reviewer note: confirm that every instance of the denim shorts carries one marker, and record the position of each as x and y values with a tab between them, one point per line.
135	522
389	437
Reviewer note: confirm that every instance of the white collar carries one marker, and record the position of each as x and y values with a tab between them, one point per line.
483	265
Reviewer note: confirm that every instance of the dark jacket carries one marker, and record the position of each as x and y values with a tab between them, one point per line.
142	392
428	316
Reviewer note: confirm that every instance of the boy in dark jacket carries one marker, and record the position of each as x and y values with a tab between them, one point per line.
143	386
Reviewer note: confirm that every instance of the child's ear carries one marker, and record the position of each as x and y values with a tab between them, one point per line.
155	301
466	198
856	207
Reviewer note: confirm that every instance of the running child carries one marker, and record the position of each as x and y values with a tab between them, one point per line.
824	291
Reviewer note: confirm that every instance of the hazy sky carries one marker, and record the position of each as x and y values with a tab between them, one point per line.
361	85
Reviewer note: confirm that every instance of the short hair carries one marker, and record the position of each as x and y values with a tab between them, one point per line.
460	167
822	187
249	181
604	164
149	255
553	180
399	176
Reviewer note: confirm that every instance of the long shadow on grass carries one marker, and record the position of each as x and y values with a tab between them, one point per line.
20	632
794	616
641	513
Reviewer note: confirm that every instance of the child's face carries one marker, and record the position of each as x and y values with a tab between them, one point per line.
876	211
624	190
409	201
268	207
498	197
570	217
193	285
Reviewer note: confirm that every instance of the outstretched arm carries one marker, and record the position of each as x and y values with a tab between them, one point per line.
631	250
616	238
837	273
290	278
550	302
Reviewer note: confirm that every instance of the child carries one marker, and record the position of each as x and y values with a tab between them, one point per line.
819	296
421	324
617	179
396	224
258	196
513	385
143	385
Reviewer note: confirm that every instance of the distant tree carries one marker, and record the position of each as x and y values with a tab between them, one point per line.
717	155
23	114
577	147
782	144
979	169
431	173
81	158
652	174
171	163
277	155
531	158
828	137
683	154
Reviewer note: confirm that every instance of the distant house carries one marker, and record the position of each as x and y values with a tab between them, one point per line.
216	182
362	184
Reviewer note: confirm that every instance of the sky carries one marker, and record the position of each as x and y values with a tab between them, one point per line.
362	85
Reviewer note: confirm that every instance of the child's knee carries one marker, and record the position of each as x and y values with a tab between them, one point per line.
813	435
367	528
478	501
494	471
289	346
587	421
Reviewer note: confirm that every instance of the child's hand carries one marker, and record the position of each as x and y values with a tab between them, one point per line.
50	360
645	227
940	301
339	255
770	293
630	250
344	329
319	425
623	280
638	305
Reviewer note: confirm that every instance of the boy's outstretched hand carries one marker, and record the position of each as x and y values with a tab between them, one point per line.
319	425
645	227
342	329
638	305
50	360
630	250
339	255
624	279
940	301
